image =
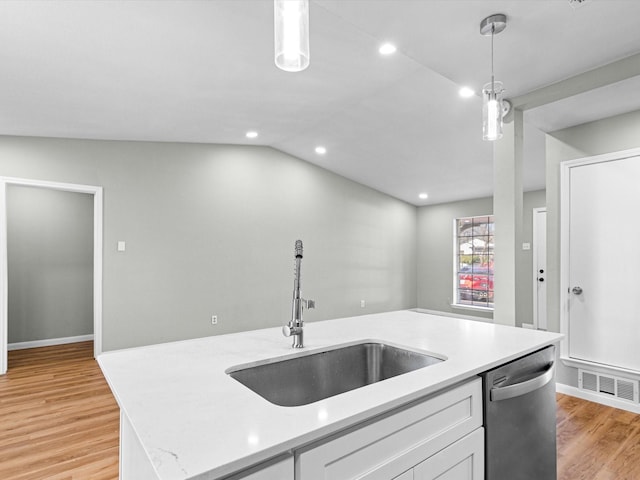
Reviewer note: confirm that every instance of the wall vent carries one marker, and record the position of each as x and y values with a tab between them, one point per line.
609	386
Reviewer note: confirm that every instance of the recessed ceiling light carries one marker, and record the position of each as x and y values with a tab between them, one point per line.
387	49
466	92
321	150
423	196
251	134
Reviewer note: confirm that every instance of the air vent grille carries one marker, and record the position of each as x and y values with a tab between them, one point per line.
625	389
590	381
609	385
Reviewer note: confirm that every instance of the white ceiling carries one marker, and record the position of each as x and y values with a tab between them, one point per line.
202	71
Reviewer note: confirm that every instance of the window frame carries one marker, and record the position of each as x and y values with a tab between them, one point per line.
472	305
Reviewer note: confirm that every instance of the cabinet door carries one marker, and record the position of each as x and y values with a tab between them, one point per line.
464	460
600	202
394	444
408	475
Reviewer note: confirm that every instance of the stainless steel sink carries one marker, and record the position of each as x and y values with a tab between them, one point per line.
308	378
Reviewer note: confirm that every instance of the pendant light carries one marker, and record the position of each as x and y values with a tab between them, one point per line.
291	26
492	103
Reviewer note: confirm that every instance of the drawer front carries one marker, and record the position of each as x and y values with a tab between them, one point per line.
464	460
389	447
408	475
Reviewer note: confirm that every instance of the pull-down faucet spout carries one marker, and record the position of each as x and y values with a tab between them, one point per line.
295	327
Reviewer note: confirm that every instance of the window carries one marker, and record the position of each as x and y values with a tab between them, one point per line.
474	261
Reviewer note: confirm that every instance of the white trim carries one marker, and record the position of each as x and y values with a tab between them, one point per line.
565	209
49	342
97	257
592	397
4	276
535	234
477	308
599	367
456	280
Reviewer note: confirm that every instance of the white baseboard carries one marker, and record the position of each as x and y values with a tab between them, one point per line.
592	397
49	342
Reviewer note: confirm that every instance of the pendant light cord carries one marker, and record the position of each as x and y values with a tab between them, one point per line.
493	89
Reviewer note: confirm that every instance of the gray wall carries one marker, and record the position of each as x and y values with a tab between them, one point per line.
210	229
435	254
50	263
610	135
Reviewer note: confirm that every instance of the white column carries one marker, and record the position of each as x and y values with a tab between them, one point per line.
507	211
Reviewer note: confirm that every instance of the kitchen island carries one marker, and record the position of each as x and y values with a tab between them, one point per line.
183	416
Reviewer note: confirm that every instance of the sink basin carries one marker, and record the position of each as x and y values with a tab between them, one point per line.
308	378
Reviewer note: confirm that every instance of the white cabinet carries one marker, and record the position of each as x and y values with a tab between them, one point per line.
408	475
440	437
464	460
390	447
279	470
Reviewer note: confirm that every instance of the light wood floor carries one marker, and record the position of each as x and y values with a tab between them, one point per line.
59	421
58	418
596	442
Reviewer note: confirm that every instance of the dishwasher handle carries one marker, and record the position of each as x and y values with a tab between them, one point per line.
511	391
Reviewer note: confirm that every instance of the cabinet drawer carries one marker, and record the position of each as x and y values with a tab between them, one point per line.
464	460
392	445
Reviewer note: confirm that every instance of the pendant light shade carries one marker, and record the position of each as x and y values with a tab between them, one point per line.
492	102
291	25
492	111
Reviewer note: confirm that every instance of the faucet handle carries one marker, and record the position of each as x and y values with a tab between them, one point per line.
310	304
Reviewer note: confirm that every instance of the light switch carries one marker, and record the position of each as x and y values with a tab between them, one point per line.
121	246
526	246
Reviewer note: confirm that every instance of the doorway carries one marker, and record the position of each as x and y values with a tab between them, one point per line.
540	268
96	193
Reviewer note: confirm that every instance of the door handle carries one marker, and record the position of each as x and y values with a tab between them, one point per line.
576	290
522	388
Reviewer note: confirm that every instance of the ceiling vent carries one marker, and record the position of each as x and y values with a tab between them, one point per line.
609	386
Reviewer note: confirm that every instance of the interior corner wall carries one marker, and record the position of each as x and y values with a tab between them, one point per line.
210	230
594	138
50	263
435	254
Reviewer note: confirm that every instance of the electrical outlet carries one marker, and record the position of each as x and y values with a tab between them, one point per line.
214	319
362	303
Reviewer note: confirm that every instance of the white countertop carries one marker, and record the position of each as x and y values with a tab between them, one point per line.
192	418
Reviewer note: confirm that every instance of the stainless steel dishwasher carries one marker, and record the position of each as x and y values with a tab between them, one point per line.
520	418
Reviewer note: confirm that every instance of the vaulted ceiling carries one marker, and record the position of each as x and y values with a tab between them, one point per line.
203	71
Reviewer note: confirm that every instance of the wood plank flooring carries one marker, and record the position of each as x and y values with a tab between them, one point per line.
59	421
58	418
596	442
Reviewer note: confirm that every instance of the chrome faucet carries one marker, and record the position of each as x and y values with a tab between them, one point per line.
295	327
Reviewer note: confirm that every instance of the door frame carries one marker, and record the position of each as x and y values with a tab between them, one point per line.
97	257
565	217
536	239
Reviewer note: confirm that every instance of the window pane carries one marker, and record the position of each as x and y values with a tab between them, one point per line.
474	261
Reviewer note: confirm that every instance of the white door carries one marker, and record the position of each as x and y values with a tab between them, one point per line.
603	305
540	268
